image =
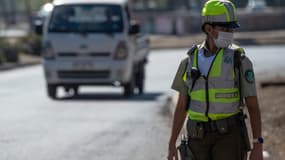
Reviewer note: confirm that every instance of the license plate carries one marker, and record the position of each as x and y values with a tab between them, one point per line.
83	66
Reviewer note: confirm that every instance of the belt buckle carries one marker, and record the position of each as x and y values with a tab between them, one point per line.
213	126
210	126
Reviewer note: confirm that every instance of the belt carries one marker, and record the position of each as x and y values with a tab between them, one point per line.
212	126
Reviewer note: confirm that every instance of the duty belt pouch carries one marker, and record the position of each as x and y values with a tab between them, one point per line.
244	132
222	126
184	150
195	130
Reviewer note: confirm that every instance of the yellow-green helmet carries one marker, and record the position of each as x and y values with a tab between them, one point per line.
220	12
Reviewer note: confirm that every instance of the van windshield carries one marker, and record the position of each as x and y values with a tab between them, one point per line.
86	18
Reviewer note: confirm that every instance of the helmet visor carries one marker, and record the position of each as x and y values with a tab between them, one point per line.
232	24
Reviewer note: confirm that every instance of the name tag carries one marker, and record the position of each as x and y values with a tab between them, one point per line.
227	95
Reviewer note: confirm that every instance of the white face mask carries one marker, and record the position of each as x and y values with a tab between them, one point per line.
224	39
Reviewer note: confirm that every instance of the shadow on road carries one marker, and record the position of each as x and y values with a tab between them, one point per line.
149	96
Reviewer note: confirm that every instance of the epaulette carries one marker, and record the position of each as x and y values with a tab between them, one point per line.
191	50
239	54
238	49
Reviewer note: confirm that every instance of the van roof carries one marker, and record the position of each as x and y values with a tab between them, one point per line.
62	2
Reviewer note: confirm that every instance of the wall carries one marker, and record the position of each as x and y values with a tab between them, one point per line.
185	22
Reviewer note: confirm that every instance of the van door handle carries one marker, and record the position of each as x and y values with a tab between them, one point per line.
83	46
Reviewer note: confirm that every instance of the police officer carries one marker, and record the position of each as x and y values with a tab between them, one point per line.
212	89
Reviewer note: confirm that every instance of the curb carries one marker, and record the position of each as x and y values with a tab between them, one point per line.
25	60
270	37
10	66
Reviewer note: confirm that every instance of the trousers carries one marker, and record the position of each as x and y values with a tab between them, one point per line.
217	146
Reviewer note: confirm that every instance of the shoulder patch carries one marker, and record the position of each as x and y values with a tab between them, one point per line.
249	76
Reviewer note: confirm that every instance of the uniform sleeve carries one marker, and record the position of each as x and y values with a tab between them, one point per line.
247	78
178	84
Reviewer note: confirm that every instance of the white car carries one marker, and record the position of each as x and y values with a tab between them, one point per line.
93	42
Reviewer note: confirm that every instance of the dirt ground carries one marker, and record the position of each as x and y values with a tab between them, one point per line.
272	100
242	38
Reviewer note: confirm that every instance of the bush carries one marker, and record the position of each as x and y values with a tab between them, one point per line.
9	50
2	57
12	47
11	54
31	44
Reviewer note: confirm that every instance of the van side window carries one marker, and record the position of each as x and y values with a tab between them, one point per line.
128	14
87	18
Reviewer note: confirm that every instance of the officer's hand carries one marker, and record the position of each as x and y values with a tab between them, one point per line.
172	152
256	153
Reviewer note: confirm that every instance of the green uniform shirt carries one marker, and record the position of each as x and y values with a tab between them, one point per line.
248	80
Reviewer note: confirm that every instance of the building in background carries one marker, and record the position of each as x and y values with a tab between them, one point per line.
183	16
143	5
156	16
18	12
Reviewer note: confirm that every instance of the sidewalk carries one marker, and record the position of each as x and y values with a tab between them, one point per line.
24	61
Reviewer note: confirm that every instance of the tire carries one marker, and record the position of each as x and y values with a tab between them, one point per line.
75	90
11	55
51	90
129	88
141	88
140	79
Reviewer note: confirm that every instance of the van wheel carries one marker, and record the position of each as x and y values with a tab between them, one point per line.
75	91
141	87
51	90
129	88
140	79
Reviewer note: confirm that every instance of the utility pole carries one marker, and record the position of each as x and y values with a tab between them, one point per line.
12	17
5	15
2	25
29	12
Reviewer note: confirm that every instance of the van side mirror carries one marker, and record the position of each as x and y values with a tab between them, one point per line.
38	28
135	29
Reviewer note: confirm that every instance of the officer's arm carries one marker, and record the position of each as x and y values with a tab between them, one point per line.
180	111
179	118
255	118
250	95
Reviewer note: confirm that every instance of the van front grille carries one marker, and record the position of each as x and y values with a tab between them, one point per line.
84	74
67	54
92	54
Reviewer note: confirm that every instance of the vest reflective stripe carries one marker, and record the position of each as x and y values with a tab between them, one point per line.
216	68
214	109
195	59
201	117
223	94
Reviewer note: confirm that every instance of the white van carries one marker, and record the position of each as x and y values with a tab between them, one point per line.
93	42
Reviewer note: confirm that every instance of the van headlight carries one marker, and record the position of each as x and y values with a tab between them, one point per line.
121	52
48	52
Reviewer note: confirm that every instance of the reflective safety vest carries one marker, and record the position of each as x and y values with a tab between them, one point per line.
215	96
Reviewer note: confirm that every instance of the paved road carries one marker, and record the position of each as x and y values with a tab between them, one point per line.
268	61
99	124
